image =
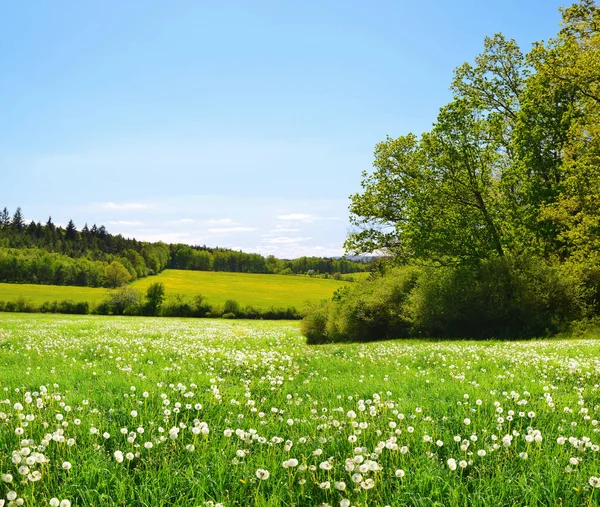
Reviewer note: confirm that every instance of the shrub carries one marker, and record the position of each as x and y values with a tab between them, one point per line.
199	307
122	301
499	298
228	315
176	307
314	324
231	306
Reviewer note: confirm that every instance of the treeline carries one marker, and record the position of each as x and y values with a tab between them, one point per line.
34	265
494	213
50	254
220	259
154	302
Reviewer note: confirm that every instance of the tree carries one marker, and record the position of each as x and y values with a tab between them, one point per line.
116	275
4	218
71	231
17	220
155	296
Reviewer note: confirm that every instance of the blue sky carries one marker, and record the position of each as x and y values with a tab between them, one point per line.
237	124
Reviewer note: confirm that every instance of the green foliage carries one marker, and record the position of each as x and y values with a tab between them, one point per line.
116	275
231	306
499	199
498	298
121	301
155	295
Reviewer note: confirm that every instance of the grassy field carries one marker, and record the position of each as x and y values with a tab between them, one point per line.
42	293
261	291
108	411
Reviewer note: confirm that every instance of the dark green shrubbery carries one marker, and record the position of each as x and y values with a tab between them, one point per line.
494	299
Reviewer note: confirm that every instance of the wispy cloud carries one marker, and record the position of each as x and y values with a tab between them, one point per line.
298	217
222	221
124	222
303	217
183	221
282	228
284	240
131	206
221	230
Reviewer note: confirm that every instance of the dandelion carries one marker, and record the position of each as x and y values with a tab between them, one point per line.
262	474
452	464
594	482
67	465
399	473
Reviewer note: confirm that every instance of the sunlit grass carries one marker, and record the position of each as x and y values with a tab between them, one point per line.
261	291
189	412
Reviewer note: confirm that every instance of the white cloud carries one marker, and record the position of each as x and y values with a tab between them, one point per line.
292	251
221	230
304	217
124	222
284	240
183	221
298	217
222	221
113	206
281	228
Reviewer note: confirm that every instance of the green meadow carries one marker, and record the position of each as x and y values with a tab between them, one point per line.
260	291
108	411
41	293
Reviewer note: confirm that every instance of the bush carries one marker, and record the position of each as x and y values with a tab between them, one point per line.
229	315
176	307
122	301
314	324
199	307
231	306
499	298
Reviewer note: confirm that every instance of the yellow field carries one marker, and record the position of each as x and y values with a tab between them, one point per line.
261	291
42	293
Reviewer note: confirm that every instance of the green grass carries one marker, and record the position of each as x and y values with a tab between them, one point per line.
84	389
42	293
261	291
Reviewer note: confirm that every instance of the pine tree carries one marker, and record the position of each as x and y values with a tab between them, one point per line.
4	218
17	220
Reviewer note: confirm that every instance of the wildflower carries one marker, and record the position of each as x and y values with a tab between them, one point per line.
262	474
452	464
118	456
399	473
594	482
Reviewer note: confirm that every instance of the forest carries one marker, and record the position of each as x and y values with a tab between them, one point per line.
492	217
50	254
